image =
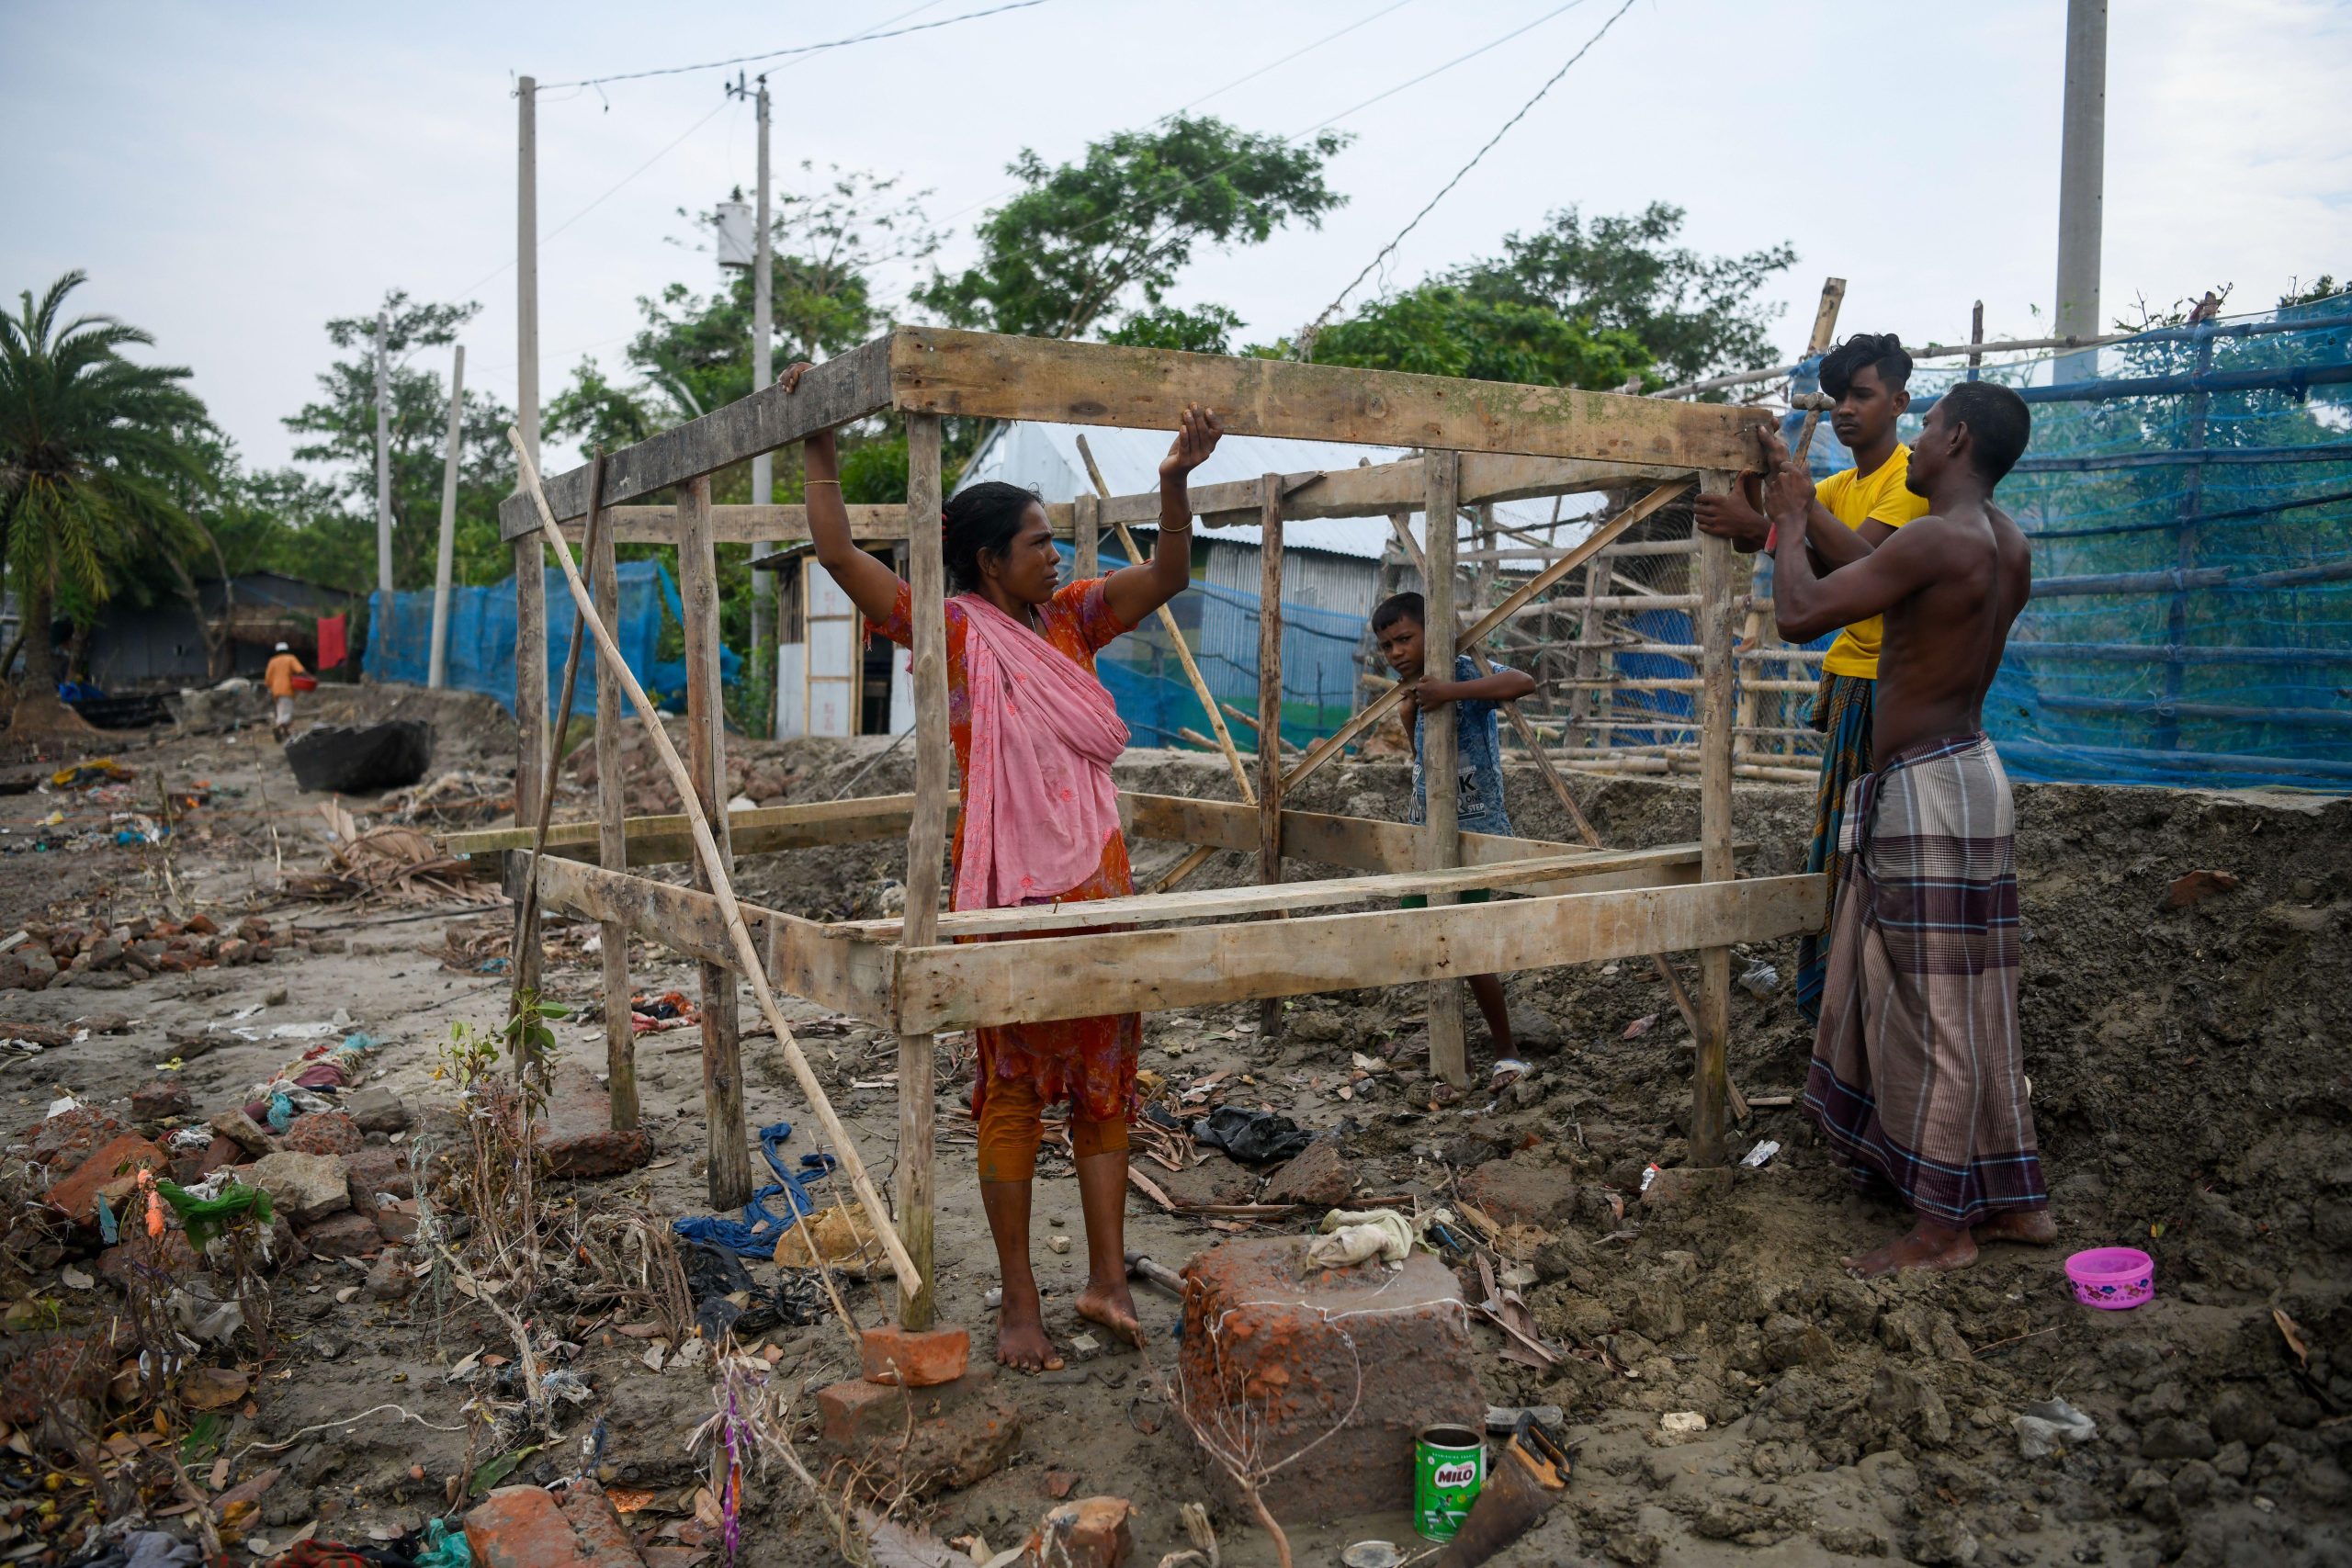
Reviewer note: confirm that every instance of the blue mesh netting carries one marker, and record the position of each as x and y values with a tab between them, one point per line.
481	638
1144	678
2188	494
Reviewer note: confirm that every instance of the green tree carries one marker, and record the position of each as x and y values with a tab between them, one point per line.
341	428
1083	240
1608	303
91	445
1209	330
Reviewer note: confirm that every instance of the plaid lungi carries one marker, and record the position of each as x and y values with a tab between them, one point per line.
1842	714
1918	1074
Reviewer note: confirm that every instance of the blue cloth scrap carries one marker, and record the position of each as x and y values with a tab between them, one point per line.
757	1233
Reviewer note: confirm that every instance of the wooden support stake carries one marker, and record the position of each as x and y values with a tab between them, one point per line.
1176	635
1270	714
728	1127
1086	528
1440	840
1373	712
612	846
926	845
1711	1091
531	740
722	886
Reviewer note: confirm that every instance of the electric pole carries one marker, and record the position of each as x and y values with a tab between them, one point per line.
383	457
2082	177
438	666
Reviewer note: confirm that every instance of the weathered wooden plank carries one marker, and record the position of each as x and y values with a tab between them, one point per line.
786	827
969	985
1270	712
1379	488
848	976
926	844
729	1170
742	525
1582	871
1710	1076
611	841
849	386
1440	743
937	370
531	740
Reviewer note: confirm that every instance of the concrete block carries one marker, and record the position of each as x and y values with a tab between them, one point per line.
1299	1347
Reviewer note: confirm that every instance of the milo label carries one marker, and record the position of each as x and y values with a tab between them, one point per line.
1449	1467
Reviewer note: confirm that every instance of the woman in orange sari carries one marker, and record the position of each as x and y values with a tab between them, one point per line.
1034	734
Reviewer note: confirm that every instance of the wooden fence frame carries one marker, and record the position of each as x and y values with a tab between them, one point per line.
1481	442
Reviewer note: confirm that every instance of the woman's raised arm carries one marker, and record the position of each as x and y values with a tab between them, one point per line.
1134	592
871	586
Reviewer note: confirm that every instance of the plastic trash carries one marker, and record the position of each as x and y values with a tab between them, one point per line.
1761	1154
1254	1137
2049	1423
1759	980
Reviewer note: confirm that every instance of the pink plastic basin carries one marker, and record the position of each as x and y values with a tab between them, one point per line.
2112	1278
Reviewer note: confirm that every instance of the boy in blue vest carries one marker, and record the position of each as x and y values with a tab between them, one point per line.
1396	626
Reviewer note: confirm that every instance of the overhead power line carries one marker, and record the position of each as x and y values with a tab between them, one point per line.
798	49
1306	336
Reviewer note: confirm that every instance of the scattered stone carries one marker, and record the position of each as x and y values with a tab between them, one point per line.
112	1171
1319	1175
377	1173
1313	1026
169	1255
346	1234
66	1139
27	968
916	1357
963	1431
1290	1349
163	1097
390	1279
2240	1415
1516	1192
324	1133
578	1136
303	1187
525	1526
1089	1533
395	1220
249	1134
377	1109
2174	1438
1534	1032
2197	887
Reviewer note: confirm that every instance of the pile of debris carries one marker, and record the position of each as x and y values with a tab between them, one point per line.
759	781
393	864
41	956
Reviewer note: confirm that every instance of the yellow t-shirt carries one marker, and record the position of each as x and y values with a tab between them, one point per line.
1855	498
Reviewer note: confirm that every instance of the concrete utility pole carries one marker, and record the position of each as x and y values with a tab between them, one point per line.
2082	177
526	266
383	457
764	662
530	557
438	669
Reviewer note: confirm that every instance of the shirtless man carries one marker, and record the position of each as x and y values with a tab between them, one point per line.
1918	1078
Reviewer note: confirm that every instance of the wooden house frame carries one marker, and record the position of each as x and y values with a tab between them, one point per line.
917	976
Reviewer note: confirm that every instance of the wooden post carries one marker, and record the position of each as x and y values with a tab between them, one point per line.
1441	843
1086	530
1270	711
531	741
926	844
722	1064
612	844
1711	1091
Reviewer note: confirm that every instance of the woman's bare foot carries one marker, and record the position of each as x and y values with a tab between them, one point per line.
2033	1227
1111	1306
1021	1341
1927	1246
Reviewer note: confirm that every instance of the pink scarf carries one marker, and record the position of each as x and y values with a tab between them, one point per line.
1038	802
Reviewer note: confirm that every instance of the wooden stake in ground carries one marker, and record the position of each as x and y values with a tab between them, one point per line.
1270	714
722	887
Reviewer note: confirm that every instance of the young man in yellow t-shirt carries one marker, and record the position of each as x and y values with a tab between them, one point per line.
1853	512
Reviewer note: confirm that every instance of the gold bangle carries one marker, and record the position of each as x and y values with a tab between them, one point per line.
835	483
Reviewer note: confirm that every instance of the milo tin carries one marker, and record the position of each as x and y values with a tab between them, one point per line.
1449	1467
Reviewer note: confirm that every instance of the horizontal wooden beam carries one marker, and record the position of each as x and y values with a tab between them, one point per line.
938	370
845	975
1378	490
763	525
1667	865
663	839
974	984
851	386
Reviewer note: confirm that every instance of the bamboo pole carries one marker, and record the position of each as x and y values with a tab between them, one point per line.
722	887
926	842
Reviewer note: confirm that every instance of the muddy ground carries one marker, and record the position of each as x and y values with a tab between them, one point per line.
2189	1081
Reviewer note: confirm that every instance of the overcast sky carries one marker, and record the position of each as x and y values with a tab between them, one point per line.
231	176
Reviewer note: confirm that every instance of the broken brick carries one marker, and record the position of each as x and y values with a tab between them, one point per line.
346	1234
953	1434
578	1135
324	1133
66	1139
526	1527
1089	1533
1319	1175
164	1096
2197	887
111	1171
916	1357
147	1258
1516	1192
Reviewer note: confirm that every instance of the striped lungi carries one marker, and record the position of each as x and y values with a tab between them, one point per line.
1918	1075
1842	714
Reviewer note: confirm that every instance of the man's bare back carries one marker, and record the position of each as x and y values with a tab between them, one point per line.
1944	640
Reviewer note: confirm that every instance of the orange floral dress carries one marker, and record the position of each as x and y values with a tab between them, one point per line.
1090	1062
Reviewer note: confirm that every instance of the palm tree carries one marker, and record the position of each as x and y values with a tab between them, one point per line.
90	446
